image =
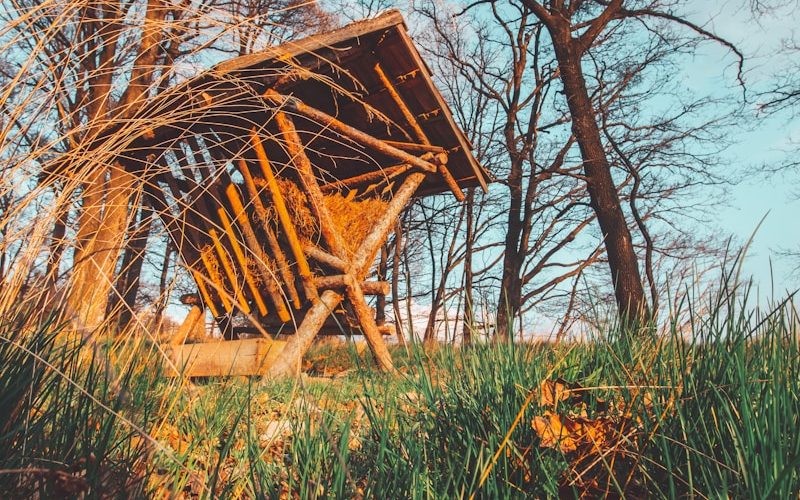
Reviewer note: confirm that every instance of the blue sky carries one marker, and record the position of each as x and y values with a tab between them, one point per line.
761	141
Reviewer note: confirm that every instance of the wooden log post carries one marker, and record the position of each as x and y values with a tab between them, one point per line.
330	233
296	347
289	361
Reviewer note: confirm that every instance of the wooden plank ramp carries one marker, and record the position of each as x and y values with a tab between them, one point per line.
224	358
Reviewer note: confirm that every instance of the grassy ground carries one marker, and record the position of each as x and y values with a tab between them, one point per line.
656	416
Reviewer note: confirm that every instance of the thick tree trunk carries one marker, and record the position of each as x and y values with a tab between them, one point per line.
605	201
96	258
511	283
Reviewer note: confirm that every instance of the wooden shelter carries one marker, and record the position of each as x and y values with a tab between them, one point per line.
279	176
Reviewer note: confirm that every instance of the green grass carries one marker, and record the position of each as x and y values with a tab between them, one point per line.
713	417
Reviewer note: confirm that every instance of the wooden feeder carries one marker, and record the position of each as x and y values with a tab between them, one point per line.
279	176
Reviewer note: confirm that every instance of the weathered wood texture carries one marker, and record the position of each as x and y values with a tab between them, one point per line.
225	358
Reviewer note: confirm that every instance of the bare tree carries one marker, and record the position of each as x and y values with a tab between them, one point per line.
652	158
576	27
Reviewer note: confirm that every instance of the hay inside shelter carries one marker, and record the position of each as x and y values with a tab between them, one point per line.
353	218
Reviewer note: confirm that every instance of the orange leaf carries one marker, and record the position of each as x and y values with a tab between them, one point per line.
551	392
568	434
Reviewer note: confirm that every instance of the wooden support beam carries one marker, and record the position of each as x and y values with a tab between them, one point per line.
201	285
238	293
341	281
347	131
333	239
401	104
289	362
284	218
183	235
299	343
316	200
271	281
415	147
192	324
323	257
445	110
243	265
451	182
417	128
277	252
378	175
362	258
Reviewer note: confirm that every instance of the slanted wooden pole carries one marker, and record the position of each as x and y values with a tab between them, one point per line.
220	287
201	285
284	218
238	293
270	280
316	200
323	257
379	175
333	239
192	323
401	104
240	257
415	147
289	361
347	131
362	257
277	252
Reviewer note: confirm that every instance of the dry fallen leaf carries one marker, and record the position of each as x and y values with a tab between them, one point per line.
551	392
568	434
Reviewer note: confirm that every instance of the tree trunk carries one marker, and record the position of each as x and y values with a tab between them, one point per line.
605	201
380	302
95	260
57	243
401	338
511	284
469	314
127	287
163	296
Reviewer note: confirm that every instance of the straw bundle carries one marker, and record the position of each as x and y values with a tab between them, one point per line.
354	219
